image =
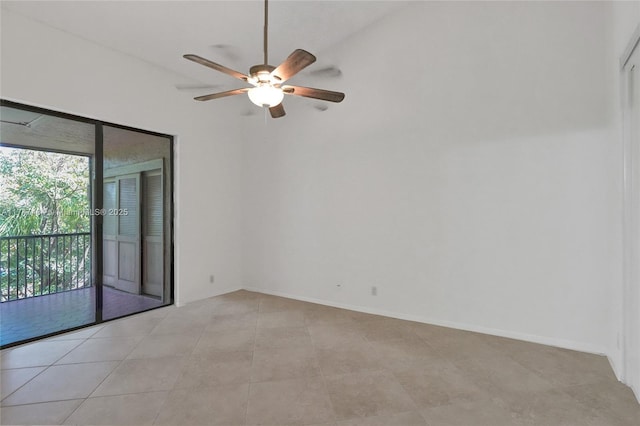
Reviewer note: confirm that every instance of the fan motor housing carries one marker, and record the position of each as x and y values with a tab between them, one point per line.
262	67
255	70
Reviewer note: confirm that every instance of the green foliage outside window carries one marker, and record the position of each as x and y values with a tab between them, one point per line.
43	194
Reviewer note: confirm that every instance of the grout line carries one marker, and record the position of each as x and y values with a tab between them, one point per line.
184	362
112	371
253	356
323	379
46	367
432	350
40	402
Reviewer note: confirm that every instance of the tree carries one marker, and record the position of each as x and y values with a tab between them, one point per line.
43	193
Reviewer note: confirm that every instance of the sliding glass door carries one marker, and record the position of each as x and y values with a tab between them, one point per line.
85	222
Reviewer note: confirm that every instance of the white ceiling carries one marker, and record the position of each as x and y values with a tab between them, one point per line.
160	32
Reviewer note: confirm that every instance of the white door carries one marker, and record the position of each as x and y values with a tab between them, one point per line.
152	233
128	218
631	343
121	232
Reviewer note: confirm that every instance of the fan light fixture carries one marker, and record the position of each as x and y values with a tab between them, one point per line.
267	90
265	95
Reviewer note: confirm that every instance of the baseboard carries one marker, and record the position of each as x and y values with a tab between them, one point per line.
615	363
543	340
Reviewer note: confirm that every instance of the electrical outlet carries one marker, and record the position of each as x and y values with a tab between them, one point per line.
212	279
374	290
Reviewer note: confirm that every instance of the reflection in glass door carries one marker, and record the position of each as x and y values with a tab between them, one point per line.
121	233
137	199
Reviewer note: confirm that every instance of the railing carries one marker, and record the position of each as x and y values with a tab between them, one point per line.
37	265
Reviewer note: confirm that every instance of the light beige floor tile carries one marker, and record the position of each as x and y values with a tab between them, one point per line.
451	376
361	316
501	375
284	363
609	398
386	329
231	322
438	383
107	349
434	333
180	324
138	325
214	369
135	409
223	405
461	344
164	345
326	316
367	394
551	407
506	345
236	307
281	319
84	333
225	341
158	312
202	303
240	295
61	382
564	367
400	353
37	354
10	380
353	357
141	375
478	413
456	343
195	311
46	413
409	418
334	336
276	304
288	402
283	337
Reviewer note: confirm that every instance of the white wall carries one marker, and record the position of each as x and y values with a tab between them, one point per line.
45	67
469	175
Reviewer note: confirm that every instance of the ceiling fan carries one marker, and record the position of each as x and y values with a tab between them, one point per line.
268	90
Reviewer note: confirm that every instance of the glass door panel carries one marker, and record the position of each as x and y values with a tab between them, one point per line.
137	194
46	243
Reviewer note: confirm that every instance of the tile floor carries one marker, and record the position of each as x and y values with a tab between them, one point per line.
251	359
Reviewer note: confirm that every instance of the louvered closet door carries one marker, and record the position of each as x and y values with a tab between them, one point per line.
128	219
110	234
152	233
